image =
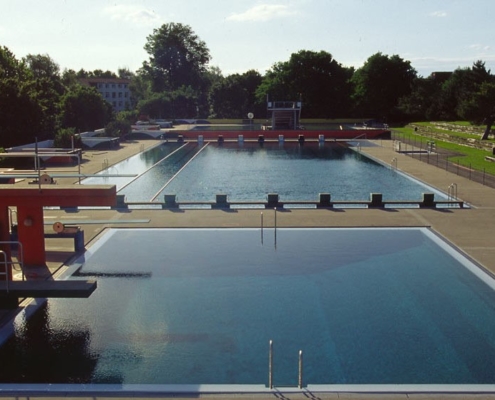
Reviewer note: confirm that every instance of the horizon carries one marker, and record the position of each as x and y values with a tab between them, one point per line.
244	35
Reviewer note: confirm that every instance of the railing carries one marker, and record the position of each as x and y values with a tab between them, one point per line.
425	150
13	263
452	192
393	163
6	270
270	367
284	104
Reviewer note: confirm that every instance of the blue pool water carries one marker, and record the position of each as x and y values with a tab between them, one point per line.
248	172
191	306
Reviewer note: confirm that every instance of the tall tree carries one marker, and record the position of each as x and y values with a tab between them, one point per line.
380	83
21	115
316	78
177	57
84	109
235	96
49	88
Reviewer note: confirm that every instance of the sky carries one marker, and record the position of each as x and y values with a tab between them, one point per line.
434	35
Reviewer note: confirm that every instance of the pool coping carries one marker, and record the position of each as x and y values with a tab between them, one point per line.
191	389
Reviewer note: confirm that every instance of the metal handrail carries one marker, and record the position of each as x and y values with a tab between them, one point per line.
452	192
393	163
20	256
6	273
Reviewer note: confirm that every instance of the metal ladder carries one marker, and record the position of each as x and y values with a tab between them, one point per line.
5	262
452	192
270	367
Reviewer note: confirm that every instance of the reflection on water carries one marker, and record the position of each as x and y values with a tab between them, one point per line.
40	354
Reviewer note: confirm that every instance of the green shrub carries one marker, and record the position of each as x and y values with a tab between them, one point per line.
63	138
118	128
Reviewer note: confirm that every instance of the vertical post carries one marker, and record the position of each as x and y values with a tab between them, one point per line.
79	166
275	226
261	227
270	365
300	380
38	163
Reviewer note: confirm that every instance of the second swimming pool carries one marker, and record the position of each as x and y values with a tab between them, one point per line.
199	306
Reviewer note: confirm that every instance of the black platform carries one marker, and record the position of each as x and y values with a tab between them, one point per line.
36	288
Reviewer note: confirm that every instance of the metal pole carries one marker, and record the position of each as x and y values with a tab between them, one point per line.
79	166
275	227
300	381
261	228
38	163
270	365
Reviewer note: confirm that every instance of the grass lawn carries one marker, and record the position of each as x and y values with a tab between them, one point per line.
471	157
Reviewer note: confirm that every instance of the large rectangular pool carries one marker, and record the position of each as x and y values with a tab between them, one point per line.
248	172
199	306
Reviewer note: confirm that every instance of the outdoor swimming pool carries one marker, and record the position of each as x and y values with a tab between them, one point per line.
248	172
199	306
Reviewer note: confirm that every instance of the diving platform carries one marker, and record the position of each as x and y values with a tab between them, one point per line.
48	289
284	115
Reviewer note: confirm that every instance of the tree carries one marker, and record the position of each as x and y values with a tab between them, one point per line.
158	105
422	103
235	95
314	77
21	115
49	88
84	109
118	128
177	57
380	83
66	137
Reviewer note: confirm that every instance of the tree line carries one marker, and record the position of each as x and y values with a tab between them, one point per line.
37	100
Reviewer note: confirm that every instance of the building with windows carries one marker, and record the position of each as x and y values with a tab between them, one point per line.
113	90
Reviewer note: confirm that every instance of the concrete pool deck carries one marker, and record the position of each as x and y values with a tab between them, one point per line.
470	230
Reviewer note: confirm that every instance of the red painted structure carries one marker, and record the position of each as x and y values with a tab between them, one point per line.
287	134
30	202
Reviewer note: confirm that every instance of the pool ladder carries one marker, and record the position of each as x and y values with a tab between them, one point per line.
452	192
4	262
393	163
270	367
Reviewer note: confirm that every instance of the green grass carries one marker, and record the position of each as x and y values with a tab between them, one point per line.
471	157
431	127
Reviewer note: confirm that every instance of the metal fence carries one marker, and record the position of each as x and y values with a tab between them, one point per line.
426	151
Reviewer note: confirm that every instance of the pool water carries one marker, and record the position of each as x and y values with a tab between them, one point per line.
248	172
197	306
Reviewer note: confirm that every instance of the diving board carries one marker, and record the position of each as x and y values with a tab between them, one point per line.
55	289
34	176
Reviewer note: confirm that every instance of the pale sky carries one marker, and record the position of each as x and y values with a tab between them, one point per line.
434	35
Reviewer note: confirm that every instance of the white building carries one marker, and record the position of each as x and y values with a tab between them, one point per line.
113	90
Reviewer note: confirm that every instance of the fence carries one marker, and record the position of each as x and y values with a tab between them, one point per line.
425	150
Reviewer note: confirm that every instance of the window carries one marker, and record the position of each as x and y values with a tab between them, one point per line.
114	95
